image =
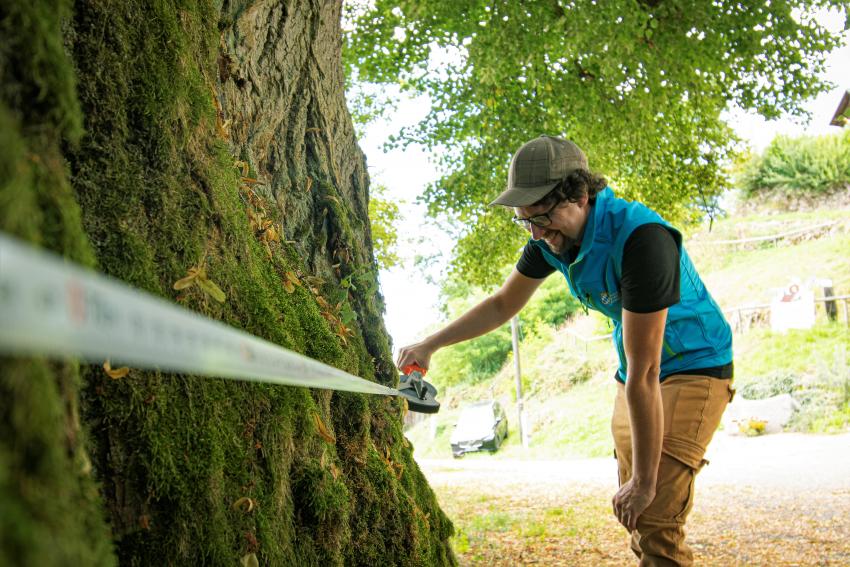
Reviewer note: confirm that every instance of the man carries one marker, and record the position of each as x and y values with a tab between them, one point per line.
673	343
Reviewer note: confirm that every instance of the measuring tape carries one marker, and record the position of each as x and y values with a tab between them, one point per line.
51	307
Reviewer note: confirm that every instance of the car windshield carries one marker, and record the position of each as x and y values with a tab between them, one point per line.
475	420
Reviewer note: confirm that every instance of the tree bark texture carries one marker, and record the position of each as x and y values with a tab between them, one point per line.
144	139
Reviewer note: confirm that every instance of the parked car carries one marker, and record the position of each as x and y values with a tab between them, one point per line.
482	426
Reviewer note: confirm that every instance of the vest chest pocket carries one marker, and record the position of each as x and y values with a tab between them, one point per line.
597	297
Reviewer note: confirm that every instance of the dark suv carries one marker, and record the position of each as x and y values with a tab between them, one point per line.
482	427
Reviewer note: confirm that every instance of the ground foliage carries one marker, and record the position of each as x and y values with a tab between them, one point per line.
479	359
793	168
509	523
639	85
116	155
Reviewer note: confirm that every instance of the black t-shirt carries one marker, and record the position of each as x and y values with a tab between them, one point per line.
649	280
650	276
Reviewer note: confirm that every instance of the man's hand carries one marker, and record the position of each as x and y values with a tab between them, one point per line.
630	502
418	354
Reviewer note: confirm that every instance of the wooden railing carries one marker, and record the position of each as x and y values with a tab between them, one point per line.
775	238
738	322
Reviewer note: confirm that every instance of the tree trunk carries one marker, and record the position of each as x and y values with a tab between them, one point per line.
147	138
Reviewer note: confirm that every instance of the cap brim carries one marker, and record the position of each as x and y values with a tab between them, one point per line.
523	196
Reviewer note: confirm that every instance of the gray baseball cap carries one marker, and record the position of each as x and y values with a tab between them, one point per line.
537	167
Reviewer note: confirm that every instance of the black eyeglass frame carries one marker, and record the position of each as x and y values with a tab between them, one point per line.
542	220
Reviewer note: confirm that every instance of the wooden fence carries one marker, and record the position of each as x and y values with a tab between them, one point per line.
744	317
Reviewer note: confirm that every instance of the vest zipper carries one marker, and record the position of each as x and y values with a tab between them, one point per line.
572	283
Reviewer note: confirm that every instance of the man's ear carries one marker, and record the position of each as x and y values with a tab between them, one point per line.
583	200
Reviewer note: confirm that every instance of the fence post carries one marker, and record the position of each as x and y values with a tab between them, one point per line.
522	430
830	306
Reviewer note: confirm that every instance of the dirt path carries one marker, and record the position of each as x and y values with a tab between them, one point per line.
772	500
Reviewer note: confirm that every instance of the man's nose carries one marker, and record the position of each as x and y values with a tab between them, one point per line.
537	232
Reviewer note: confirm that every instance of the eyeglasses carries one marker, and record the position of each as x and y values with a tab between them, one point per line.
541	220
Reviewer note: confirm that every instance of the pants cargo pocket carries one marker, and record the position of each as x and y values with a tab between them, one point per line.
674	494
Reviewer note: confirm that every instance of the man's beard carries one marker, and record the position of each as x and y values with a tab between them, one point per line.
563	244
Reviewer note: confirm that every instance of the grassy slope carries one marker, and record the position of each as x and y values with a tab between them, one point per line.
569	392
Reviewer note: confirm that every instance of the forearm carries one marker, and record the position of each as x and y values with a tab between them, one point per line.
646	412
481	319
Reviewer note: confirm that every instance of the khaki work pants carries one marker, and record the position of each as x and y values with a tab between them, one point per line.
693	406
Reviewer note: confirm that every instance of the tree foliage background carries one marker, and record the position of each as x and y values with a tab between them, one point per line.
639	85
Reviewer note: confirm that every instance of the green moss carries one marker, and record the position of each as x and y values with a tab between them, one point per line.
49	506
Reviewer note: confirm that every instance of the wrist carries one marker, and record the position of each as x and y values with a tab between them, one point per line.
432	343
643	483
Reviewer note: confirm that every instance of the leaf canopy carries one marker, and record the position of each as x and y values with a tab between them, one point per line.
639	85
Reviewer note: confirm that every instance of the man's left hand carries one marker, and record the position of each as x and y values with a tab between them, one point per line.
630	502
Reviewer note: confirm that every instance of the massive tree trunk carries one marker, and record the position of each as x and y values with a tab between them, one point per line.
132	134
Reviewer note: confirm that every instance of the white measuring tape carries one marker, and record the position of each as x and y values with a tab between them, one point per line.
51	307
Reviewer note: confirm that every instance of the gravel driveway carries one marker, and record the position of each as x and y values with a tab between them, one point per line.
788	460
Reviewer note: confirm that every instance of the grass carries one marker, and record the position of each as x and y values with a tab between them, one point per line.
510	519
519	521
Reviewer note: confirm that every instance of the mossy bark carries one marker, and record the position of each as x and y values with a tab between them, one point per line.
126	131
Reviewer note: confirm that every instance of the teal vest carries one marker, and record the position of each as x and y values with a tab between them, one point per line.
696	335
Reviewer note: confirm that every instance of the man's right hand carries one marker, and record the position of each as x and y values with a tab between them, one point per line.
417	353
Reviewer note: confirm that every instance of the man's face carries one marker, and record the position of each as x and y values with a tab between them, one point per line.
566	227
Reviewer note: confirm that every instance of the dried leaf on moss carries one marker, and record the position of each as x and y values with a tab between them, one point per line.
244	504
323	430
211	289
187	281
115	373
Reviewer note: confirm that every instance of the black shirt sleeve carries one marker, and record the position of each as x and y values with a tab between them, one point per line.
650	275
532	264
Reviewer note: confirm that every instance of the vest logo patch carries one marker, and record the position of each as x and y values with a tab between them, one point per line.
609	298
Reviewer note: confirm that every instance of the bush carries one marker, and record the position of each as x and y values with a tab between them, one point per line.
806	166
474	361
770	385
824	399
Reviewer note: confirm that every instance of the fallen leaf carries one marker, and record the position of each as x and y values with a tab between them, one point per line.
188	281
244	504
323	430
116	373
211	289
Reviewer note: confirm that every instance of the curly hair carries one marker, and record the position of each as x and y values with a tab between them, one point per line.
574	186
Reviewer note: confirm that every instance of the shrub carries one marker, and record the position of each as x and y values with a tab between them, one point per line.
806	166
477	360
